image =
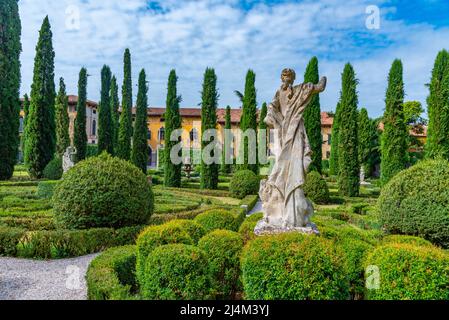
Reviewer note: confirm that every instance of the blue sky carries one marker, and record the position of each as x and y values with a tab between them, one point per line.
232	36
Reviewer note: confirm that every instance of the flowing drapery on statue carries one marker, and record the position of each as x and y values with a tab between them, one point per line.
284	203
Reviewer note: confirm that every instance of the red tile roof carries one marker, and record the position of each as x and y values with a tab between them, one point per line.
326	119
418	131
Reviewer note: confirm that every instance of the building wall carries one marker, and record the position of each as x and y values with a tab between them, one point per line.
326	133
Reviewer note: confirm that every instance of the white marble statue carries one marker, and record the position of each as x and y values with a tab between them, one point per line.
283	201
68	159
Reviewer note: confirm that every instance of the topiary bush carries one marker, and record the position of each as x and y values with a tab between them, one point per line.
316	188
53	170
415	202
243	183
415	241
293	266
410	272
217	219
176	272
103	192
175	231
223	249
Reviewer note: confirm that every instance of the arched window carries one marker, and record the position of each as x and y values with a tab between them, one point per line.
161	134
94	127
193	135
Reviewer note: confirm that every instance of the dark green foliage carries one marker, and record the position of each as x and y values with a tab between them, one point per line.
243	183
62	120
26	111
223	248
41	135
53	170
248	121
217	219
105	128
294	266
45	189
176	272
348	163
410	272
115	116
10	48
312	117
226	168
110	276
414	202
246	229
209	98
394	137
437	144
80	134
139	154
172	171
103	192
9	239
334	168
369	137
316	188
125	127
413	112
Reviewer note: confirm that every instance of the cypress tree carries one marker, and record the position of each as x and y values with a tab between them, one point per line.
172	172
125	128
62	120
226	168
209	95
10	48
334	169
364	133
394	137
249	121
80	134
115	116
437	144
348	178
26	111
139	153
312	117
40	130
105	128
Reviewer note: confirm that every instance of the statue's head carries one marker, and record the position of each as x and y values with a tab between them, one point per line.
288	76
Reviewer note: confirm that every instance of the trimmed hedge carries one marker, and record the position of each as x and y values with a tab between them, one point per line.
410	272
53	170
9	239
223	249
243	183
416	241
293	266
103	192
45	189
176	272
110	276
217	219
316	189
247	227
415	202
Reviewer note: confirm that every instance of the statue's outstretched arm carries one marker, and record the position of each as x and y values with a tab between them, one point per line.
320	86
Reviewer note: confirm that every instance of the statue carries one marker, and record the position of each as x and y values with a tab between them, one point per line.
68	159
283	201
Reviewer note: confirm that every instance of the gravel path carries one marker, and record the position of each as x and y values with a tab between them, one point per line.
23	279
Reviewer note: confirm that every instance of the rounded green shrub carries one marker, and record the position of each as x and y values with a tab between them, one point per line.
217	219
416	241
316	188
53	170
243	183
176	272
103	192
223	249
409	272
293	266
415	202
174	231
247	227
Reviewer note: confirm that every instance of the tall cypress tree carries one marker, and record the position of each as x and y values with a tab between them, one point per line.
348	178
105	128
209	95
26	111
62	120
172	172
334	169
115	116
10	48
41	134
226	168
365	139
249	121
125	128
312	117
80	134
437	144
139	153
394	137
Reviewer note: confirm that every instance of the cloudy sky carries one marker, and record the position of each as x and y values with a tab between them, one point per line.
233	35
